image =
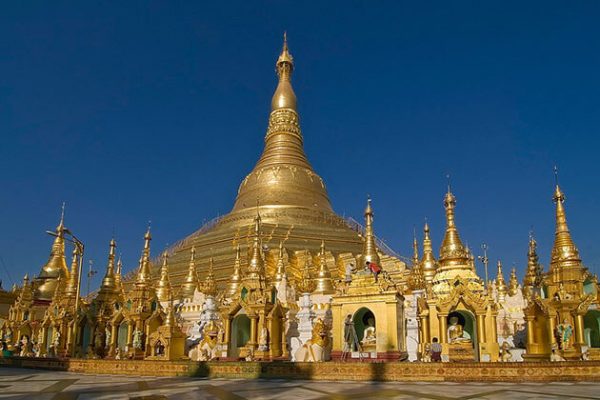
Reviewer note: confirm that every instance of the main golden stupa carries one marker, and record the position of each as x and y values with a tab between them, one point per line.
283	187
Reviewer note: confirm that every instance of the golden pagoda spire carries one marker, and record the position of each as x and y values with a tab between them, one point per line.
283	175
56	266
415	258
143	276
163	288
280	272
237	276
323	279
71	285
256	266
109	283
452	252
513	283
533	275
191	280
170	317
564	252
500	284
369	247
209	286
428	262
119	276
284	96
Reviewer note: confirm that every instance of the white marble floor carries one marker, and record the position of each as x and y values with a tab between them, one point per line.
36	384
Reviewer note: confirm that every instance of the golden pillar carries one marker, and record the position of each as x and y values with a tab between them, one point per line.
579	329
443	328
552	326
114	339
425	330
228	331
494	330
130	334
530	332
480	328
253	327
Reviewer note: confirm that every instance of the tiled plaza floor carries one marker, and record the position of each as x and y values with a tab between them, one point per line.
35	384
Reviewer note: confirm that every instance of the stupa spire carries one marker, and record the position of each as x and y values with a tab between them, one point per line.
56	266
209	286
500	284
109	281
256	266
369	247
283	176
533	275
71	285
428	262
415	258
143	276
323	279
564	252
513	282
191	282
452	252
163	288
236	277
119	275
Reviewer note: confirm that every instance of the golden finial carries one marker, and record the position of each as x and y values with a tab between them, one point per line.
237	276
369	247
163	288
564	252
143	275
256	264
415	258
61	224
513	283
533	275
109	281
500	284
323	279
284	96
170	317
452	251
191	282
71	284
428	262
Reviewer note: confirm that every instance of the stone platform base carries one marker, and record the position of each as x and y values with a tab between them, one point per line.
390	371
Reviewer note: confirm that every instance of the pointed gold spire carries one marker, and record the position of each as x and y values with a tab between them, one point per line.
209	286
163	288
415	258
256	266
237	276
323	279
564	252
170	317
500	284
143	276
284	96
71	284
369	247
191	280
428	262
283	175
109	281
513	283
533	275
452	252
119	276
56	266
280	272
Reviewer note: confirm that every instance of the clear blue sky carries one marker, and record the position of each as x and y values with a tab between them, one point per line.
142	111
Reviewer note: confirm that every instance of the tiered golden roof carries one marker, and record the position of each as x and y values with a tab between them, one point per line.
533	274
513	283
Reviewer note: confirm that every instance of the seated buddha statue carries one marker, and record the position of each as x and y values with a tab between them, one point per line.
456	333
369	334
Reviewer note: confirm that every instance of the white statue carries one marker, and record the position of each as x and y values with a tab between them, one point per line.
315	349
369	335
263	343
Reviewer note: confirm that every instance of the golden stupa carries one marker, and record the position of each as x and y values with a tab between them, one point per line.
283	188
